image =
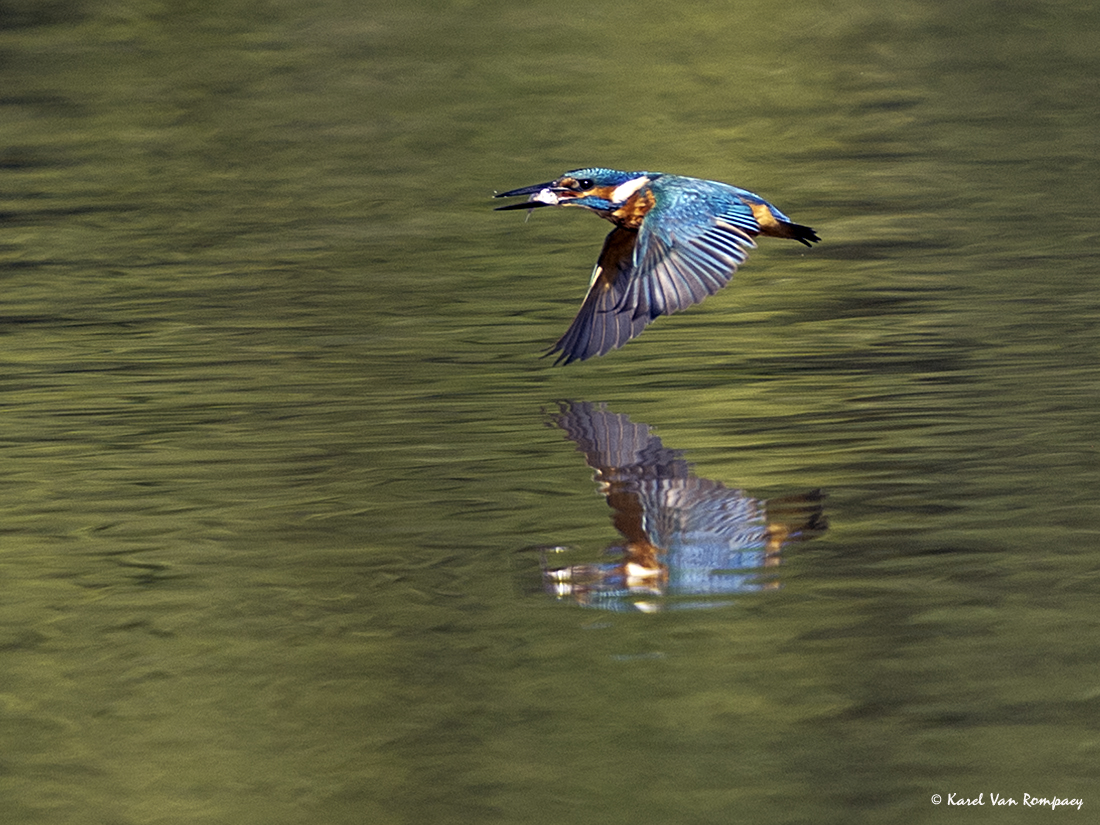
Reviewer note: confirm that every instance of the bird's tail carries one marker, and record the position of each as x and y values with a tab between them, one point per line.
800	233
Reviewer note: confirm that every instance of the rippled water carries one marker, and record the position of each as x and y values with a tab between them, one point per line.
284	473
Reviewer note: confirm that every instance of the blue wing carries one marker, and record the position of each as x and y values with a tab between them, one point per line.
606	319
688	247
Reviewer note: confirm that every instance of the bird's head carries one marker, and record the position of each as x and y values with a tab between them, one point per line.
595	188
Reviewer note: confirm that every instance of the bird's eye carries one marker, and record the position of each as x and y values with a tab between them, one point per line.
585	183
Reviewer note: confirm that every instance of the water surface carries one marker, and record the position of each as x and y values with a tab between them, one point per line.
277	439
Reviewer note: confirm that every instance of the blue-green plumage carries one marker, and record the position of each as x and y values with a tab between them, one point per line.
676	241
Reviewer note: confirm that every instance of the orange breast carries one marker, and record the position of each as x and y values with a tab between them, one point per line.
633	212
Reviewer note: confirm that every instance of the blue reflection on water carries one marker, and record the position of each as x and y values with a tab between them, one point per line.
688	541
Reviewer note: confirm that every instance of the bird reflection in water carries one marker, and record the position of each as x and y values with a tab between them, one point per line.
687	541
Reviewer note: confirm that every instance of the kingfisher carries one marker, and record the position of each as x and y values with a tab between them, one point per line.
676	240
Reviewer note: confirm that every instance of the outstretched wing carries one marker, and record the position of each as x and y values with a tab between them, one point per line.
606	319
688	247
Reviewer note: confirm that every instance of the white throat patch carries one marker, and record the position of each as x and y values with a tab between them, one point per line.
625	190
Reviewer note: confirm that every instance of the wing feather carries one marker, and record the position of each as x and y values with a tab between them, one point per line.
606	319
688	247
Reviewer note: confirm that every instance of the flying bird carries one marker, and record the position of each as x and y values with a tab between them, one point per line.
676	240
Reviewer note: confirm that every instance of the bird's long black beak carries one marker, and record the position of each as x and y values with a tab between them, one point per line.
524	190
531	202
521	205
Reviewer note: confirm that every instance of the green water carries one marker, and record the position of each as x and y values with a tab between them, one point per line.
275	428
